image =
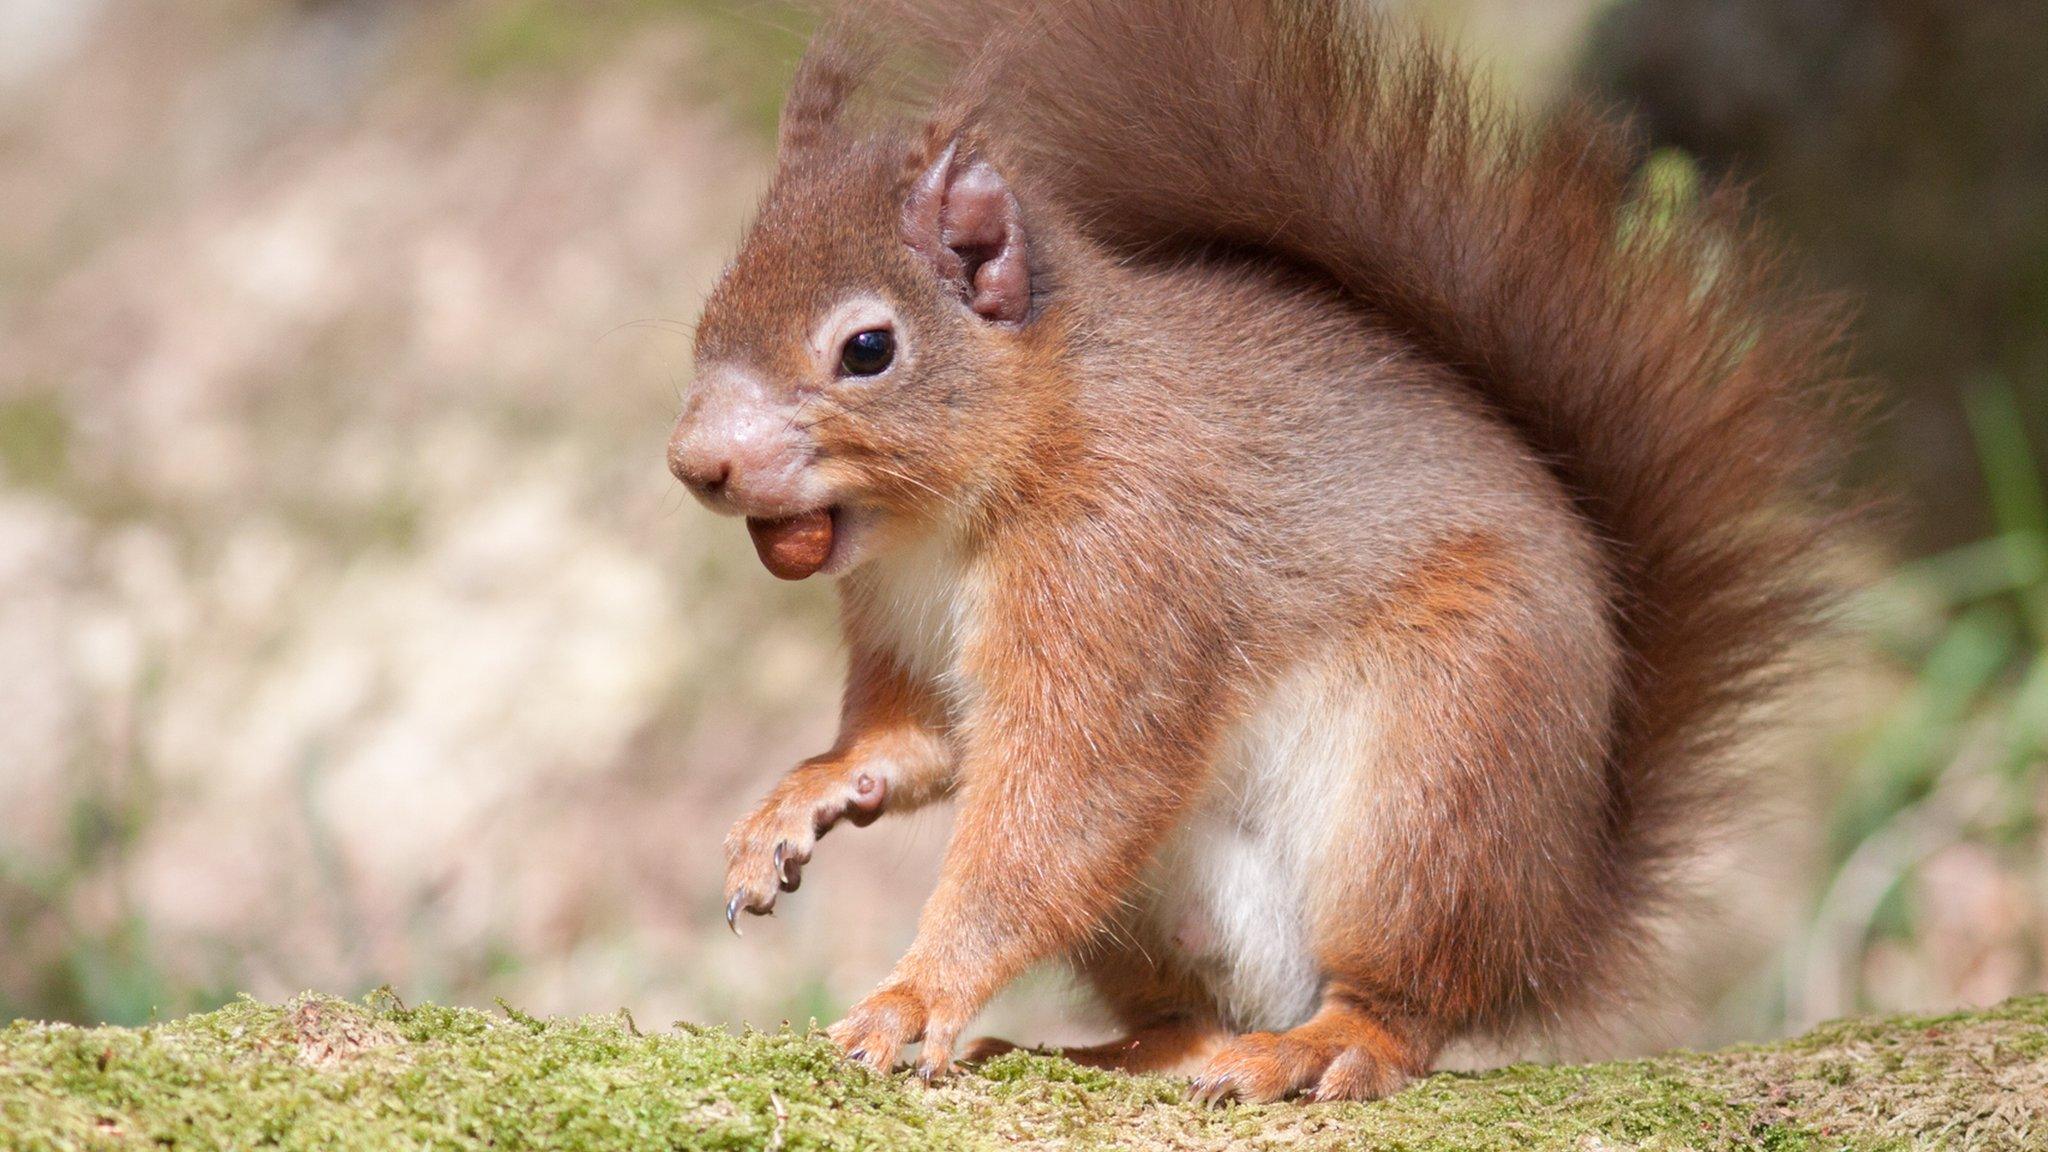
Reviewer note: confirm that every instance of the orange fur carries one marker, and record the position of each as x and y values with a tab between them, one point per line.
1450	589
1342	1053
1321	532
889	753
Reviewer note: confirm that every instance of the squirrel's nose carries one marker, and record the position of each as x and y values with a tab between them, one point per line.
721	462
736	448
704	472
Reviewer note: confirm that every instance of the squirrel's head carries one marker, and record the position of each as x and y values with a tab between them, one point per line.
861	354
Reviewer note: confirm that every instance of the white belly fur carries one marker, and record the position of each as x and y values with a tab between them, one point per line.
1230	890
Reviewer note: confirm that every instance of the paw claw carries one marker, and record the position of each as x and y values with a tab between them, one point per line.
877	1028
766	851
789	866
732	914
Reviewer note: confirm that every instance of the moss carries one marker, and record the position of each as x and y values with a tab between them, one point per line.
326	1073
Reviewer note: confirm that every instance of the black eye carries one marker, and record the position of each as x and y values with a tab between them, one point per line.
867	353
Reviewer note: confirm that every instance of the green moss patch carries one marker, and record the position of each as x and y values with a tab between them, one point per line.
331	1074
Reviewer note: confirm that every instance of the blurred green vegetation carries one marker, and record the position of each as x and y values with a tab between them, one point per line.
74	902
748	48
1961	755
35	439
103	967
1899	146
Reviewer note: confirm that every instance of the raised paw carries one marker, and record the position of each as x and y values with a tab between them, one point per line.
891	1017
766	851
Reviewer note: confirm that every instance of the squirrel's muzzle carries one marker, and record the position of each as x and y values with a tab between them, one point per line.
736	446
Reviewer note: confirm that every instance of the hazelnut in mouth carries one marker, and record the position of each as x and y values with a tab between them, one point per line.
793	547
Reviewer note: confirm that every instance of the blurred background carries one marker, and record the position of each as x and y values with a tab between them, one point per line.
353	633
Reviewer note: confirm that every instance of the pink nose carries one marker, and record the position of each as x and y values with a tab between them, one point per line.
698	463
734	446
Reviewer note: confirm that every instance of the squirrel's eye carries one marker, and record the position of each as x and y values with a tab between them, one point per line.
866	353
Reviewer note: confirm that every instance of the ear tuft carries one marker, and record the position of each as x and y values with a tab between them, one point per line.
962	218
831	71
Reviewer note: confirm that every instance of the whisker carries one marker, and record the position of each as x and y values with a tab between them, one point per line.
679	327
946	500
845	411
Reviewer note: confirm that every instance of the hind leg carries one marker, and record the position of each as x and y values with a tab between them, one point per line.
1170	1027
1453	879
1462	887
1167	1046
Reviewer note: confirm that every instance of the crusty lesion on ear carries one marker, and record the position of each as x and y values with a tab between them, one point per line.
962	218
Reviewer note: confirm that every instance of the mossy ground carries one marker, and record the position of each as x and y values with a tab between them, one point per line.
330	1074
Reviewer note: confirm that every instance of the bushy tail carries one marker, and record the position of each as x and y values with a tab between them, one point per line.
1645	347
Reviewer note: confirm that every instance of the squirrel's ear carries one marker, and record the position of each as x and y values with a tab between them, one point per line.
961	217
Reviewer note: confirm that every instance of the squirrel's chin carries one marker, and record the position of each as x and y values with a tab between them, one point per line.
853	537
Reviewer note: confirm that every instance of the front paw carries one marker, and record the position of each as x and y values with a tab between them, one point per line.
766	852
893	1016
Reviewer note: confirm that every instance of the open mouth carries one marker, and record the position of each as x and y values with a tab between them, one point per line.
793	547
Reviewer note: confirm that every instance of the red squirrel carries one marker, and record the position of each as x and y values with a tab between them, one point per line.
1321	531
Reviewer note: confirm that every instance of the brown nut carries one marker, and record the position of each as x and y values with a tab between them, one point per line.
795	546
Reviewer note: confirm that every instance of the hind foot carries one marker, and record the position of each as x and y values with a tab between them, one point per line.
1166	1047
1340	1054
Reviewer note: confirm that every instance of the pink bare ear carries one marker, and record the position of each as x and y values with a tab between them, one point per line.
961	217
